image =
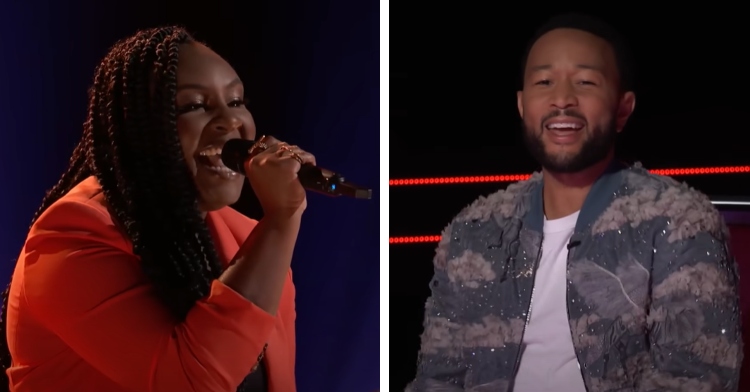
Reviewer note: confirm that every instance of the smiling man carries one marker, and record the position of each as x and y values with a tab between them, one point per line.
591	276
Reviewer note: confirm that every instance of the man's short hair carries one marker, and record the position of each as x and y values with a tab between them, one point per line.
597	27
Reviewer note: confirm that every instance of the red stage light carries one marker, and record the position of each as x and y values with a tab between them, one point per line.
675	172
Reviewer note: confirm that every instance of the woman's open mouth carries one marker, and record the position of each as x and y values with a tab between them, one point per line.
210	160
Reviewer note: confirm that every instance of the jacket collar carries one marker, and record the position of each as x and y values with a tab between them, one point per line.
600	196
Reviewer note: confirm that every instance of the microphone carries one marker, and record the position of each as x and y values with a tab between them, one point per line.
573	244
236	151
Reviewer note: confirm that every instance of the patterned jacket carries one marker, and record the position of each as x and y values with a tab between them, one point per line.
652	290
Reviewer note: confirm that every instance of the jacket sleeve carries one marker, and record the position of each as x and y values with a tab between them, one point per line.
440	366
693	321
82	283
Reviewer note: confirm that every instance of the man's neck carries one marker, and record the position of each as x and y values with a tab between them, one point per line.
564	193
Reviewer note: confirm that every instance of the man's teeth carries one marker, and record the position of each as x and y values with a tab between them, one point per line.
210	151
564	126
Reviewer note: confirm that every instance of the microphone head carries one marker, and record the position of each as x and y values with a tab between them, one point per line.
235	152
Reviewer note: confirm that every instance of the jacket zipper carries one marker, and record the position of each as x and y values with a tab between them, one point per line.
528	312
567	310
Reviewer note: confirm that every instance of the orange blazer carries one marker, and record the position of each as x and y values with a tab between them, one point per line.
82	317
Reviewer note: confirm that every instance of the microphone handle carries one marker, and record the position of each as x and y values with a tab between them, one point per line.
329	183
237	151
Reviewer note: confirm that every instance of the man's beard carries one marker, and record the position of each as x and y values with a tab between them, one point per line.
595	149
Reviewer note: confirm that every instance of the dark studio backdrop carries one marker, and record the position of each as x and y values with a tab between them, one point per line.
311	70
454	114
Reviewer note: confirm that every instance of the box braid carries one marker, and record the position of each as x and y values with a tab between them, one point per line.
130	145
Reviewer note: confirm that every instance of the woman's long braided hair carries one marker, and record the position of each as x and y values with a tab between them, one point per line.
130	145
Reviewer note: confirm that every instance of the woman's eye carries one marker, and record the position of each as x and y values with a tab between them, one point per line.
191	107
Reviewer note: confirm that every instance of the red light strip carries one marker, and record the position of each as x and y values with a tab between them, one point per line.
519	177
676	172
413	239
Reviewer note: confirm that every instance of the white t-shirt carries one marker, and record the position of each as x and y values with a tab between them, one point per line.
549	363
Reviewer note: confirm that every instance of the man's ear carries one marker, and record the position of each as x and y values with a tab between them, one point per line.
625	109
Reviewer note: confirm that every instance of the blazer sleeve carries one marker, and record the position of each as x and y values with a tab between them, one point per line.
82	283
291	325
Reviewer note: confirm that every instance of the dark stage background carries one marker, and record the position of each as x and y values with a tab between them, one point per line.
311	70
455	72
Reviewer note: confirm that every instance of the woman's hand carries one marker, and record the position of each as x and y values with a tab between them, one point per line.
272	172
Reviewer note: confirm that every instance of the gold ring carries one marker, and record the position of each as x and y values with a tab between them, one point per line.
295	156
259	146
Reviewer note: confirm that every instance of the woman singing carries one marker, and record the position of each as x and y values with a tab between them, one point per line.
136	275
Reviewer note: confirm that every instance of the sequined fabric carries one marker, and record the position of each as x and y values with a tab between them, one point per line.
652	290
